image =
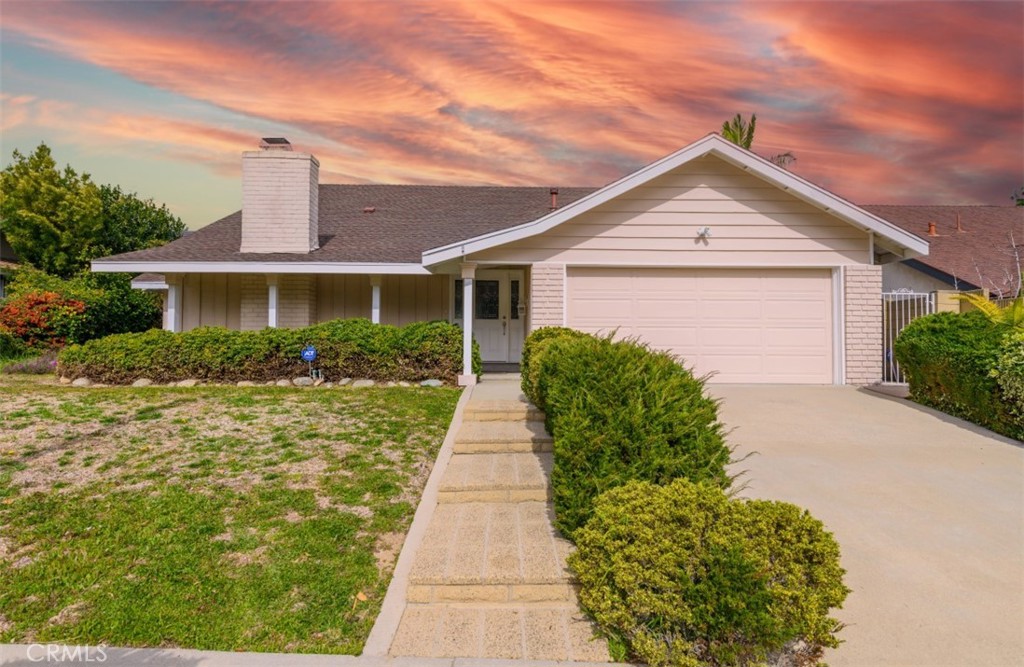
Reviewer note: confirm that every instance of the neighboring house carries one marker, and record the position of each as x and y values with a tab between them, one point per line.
8	262
739	266
969	248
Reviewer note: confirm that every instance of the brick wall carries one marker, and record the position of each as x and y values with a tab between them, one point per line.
296	301
280	202
863	294
253	301
547	295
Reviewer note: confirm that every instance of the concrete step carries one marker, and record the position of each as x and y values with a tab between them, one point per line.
492	546
499	436
501	477
516	632
499	410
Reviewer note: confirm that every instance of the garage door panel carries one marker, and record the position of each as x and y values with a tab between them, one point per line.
743	325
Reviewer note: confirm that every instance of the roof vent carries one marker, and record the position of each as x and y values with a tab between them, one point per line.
369	209
275	144
931	229
554	198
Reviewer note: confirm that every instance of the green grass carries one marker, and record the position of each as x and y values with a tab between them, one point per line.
258	519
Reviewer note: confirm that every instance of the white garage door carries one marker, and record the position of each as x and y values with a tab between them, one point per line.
744	325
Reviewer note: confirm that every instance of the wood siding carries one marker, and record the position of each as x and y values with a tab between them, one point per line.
211	300
406	299
752	222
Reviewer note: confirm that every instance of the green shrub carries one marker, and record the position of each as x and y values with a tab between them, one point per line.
682	575
345	348
11	347
618	412
950	360
533	347
109	303
1009	375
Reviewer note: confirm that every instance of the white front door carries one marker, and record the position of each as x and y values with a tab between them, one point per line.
499	314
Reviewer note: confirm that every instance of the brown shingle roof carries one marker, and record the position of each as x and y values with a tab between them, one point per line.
982	255
408	220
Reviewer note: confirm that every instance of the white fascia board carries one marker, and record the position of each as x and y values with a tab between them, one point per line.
149	285
711	144
104	266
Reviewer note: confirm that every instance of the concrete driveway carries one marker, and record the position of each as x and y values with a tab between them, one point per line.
928	510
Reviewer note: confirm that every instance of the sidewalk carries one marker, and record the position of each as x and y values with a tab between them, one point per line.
489	579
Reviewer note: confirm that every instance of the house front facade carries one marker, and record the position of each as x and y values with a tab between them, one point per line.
741	268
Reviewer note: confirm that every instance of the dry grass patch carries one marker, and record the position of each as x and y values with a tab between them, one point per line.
223	518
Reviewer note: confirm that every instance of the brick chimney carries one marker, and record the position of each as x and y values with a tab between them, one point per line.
280	199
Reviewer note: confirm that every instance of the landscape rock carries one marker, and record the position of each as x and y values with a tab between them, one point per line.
82	382
363	383
328	385
64	379
191	382
391	384
284	383
303	382
344	381
245	383
317	382
431	383
271	383
142	382
403	383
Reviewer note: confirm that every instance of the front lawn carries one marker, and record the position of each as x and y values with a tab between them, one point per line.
256	519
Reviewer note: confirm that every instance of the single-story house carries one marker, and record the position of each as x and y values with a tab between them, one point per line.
740	267
970	248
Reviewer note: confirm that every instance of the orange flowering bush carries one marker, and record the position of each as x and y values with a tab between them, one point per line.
43	319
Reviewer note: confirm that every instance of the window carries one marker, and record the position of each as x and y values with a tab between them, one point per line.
485	298
458	299
514	298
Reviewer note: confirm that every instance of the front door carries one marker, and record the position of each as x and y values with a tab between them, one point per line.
499	314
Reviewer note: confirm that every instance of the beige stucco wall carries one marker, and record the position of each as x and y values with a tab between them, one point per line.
897	275
863	322
752	223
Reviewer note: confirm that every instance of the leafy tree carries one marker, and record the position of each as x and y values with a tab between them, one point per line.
130	223
51	218
58	221
741	133
1018	196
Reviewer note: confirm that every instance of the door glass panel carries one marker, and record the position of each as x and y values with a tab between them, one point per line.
458	299
486	299
514	298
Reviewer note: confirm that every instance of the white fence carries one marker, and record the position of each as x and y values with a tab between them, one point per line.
898	310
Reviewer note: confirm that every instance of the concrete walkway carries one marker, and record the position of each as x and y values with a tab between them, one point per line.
928	511
489	579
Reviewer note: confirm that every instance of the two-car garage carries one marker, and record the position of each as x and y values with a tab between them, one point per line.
742	325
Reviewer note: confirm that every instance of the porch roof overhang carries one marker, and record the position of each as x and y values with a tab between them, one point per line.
110	266
886	234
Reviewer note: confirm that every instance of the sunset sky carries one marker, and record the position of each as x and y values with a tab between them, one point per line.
892	102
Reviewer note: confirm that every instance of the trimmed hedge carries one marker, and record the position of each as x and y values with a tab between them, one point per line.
950	361
683	575
1009	374
346	348
618	412
533	347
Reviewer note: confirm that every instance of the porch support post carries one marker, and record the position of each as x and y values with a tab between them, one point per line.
172	320
467	378
272	301
375	299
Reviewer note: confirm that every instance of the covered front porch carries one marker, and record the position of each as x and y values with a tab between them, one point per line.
492	303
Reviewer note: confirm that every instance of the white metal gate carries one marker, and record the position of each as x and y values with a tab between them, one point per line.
899	309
